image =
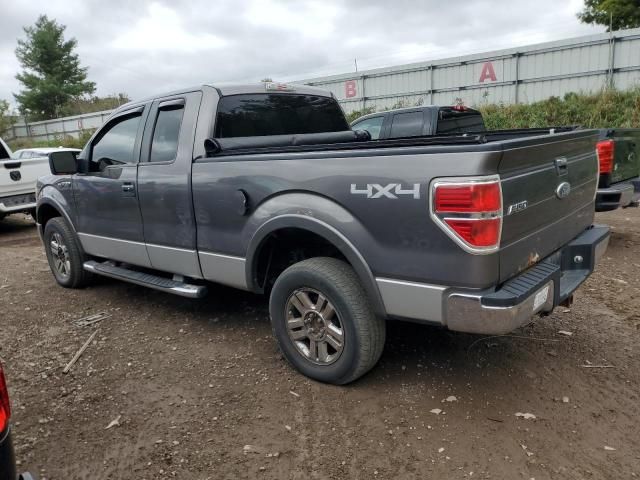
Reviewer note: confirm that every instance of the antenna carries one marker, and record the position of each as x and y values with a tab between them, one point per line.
355	61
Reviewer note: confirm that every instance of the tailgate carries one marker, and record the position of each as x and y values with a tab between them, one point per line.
626	154
20	176
548	189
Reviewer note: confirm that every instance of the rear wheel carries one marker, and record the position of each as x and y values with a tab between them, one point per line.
65	254
323	321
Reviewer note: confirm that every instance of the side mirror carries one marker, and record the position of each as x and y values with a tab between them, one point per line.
63	163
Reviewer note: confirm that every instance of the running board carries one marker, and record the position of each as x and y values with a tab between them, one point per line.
108	269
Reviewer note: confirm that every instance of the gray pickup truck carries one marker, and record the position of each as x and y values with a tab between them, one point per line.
267	189
619	155
419	121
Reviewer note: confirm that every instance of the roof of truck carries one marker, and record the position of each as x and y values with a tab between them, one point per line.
226	89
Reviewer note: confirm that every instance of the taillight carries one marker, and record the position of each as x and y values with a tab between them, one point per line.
606	150
5	408
478	197
469	210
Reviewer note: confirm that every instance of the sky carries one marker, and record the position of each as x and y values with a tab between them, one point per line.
141	47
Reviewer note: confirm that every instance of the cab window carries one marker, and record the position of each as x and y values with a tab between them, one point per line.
115	146
164	145
460	121
263	114
372	125
407	125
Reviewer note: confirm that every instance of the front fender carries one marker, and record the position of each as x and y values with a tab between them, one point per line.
50	197
320	216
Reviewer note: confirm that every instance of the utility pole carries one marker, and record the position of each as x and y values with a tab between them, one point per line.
612	47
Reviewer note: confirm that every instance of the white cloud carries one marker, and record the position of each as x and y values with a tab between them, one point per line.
145	46
310	18
163	30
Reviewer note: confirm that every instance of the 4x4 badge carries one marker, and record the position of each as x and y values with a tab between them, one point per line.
563	190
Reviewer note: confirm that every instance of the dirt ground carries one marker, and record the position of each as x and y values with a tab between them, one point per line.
201	391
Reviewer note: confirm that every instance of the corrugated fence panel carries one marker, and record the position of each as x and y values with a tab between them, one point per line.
525	74
59	128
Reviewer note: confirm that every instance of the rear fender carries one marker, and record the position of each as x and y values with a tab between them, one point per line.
319	216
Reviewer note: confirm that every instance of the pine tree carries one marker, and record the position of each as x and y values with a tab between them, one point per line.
52	75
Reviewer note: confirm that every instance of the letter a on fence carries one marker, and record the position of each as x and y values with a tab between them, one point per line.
488	73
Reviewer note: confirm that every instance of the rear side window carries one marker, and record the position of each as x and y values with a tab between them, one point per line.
116	144
372	125
164	146
277	114
455	121
407	124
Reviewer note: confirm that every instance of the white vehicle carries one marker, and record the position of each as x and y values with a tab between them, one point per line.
18	174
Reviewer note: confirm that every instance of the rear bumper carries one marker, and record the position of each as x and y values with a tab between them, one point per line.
497	311
621	194
537	290
17	203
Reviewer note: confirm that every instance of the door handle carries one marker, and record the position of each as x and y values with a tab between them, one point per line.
561	166
128	188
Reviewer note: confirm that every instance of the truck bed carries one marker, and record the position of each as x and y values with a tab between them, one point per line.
527	165
339	141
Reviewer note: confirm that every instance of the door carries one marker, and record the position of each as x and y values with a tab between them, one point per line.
109	222
164	184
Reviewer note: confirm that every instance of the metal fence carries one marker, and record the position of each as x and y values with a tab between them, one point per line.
517	75
525	74
57	129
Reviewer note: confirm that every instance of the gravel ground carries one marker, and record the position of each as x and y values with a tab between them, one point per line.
200	391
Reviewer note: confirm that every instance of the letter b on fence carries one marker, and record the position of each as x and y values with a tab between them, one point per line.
350	90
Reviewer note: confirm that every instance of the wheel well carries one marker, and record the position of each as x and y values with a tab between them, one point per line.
283	248
45	213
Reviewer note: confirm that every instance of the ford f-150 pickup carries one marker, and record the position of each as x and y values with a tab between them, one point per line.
267	189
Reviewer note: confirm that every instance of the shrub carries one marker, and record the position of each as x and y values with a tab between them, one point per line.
60	141
609	108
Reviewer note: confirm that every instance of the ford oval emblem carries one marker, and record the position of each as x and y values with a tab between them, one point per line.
563	190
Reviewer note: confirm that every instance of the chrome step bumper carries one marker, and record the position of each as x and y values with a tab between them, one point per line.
537	290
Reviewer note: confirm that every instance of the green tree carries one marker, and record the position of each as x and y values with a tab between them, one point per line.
617	13
6	119
52	75
94	104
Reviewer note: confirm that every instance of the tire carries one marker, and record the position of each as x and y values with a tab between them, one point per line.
69	252
321	301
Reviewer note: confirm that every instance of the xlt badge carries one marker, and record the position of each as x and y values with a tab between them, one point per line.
517	207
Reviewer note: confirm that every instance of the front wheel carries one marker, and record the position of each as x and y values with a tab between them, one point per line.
323	321
65	254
